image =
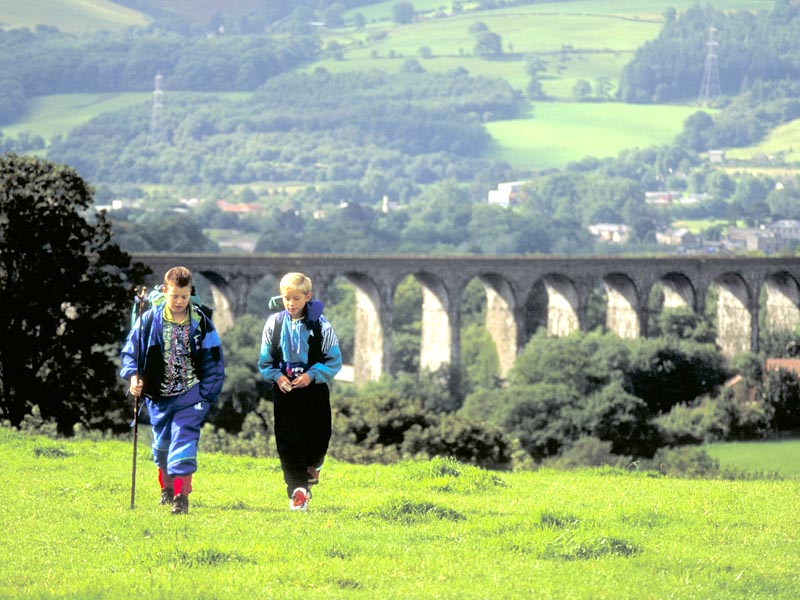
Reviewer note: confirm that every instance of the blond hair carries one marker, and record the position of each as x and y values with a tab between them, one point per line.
296	281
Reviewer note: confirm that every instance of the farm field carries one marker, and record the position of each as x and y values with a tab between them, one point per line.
422	529
557	133
779	456
70	16
56	114
783	142
580	40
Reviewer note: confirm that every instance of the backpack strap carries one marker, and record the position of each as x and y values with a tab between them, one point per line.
275	342
314	345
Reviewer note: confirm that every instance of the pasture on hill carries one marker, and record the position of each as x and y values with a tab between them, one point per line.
56	114
580	40
70	16
783	142
416	529
557	133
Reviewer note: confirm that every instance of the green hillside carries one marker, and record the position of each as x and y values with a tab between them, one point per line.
782	142
48	116
70	16
560	132
587	41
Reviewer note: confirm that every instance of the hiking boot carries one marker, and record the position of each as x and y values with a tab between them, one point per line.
166	496
180	505
299	499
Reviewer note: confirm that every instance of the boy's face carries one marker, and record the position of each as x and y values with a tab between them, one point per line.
295	301
178	300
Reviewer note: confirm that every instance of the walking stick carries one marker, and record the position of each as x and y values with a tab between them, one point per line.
139	304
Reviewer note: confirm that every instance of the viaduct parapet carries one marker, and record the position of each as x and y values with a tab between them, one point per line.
522	294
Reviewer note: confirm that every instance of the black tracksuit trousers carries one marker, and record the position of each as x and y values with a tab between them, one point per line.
302	431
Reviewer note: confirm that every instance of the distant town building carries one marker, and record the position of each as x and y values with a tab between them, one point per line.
780	236
716	156
673	197
678	237
614	233
787	364
786	229
239	208
505	193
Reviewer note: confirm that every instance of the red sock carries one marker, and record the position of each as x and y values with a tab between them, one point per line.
183	484
165	480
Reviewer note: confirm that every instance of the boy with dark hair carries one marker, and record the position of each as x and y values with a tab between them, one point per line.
300	355
177	365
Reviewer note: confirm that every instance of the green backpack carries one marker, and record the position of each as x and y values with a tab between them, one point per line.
156	297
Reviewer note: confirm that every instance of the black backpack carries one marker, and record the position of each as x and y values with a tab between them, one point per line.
314	344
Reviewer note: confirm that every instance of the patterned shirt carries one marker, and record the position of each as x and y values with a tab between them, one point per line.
179	375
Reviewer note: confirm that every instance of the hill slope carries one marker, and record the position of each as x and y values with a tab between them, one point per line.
70	16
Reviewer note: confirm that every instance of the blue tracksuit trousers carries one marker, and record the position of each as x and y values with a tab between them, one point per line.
176	423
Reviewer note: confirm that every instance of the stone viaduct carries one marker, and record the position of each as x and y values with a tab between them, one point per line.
516	287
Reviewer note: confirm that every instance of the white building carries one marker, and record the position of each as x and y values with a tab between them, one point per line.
504	194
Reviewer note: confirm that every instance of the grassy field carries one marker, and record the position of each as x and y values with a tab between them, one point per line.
783	142
559	132
57	114
429	529
600	35
49	116
780	456
70	16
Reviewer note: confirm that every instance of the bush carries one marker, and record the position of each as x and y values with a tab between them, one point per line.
388	427
782	396
689	462
589	452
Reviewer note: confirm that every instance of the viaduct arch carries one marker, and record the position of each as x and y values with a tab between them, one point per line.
511	283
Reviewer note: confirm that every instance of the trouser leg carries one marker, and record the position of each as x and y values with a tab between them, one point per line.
302	432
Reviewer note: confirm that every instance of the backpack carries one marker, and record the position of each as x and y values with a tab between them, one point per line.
156	297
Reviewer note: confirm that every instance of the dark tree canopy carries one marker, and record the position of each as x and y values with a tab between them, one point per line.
63	301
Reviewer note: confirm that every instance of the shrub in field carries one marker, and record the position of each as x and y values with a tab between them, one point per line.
782	396
588	452
387	427
685	462
468	442
256	438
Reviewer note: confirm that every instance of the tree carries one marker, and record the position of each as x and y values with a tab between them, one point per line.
488	44
64	302
403	12
582	89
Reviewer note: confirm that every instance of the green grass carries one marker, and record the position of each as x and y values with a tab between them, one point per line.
629	9
603	35
780	456
432	529
49	116
70	16
56	114
783	142
559	132
699	225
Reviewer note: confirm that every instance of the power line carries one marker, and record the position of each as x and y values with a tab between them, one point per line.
154	134
710	88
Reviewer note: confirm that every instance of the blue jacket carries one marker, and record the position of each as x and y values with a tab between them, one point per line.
293	354
206	350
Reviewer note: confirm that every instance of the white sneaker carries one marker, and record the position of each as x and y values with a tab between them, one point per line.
299	501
